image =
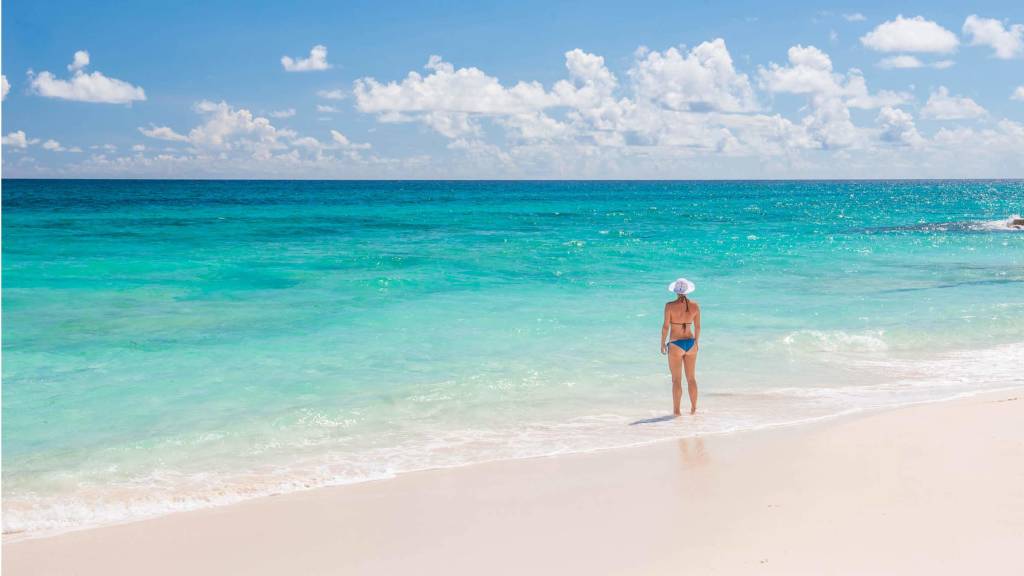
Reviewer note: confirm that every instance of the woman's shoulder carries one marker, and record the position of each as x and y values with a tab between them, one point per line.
671	302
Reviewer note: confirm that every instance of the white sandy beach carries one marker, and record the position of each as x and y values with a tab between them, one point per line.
935	488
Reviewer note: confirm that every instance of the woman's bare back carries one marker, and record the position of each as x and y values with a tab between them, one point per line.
681	314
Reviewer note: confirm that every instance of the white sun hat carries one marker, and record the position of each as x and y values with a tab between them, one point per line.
681	286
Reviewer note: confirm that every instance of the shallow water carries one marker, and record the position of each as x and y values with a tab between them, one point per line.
171	345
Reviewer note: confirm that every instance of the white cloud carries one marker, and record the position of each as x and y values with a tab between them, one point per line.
16	139
1007	41
830	95
901	61
681	102
810	72
447	90
343	142
910	35
678	112
588	93
5	86
85	87
317	61
942	106
447	99
336	94
857	95
81	60
229	132
1001	143
286	113
854	17
897	127
1018	94
324	109
55	146
163	133
234	142
227	128
702	80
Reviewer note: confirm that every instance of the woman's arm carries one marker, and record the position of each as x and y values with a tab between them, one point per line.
664	332
696	326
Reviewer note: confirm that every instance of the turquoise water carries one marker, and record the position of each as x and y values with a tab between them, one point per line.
172	345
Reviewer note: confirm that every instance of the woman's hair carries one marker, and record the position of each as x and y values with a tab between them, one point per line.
686	301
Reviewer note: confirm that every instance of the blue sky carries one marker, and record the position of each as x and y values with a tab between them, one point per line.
515	90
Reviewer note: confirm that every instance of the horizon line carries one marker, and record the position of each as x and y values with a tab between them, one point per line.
101	179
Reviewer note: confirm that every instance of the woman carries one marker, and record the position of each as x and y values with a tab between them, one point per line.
682	320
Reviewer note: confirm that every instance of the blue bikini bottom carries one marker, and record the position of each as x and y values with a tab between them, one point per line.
685	344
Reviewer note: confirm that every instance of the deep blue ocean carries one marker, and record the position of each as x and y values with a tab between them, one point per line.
170	345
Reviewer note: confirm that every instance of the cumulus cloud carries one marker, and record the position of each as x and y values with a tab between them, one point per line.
1018	94
830	95
672	112
286	113
910	35
447	90
55	146
84	86
854	17
228	141
324	109
809	71
336	94
228	132
942	106
701	80
1006	41
897	127
671	89
81	60
676	101
16	139
163	133
6	87
317	61
1002	142
674	93
233	142
448	100
228	128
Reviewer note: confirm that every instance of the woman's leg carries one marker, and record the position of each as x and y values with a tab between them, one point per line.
690	365
675	366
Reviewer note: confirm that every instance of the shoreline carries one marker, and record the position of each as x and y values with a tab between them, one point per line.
537	493
810	421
